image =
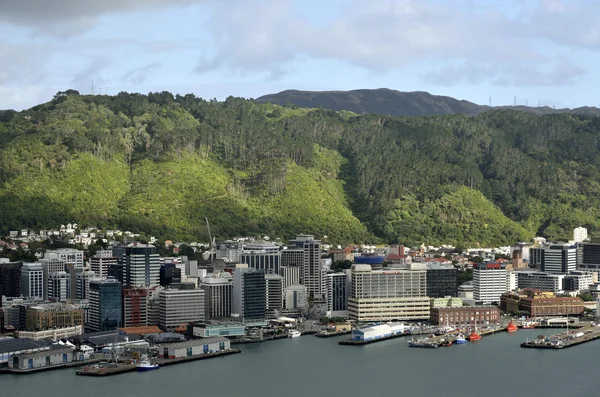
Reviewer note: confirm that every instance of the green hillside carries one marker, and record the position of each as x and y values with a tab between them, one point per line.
161	164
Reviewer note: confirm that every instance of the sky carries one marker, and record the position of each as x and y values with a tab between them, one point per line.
537	51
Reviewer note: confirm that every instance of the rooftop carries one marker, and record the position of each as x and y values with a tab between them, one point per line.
14	345
55	350
197	342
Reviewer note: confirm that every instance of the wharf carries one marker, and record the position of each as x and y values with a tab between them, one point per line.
258	340
50	367
116	369
350	342
564	339
331	334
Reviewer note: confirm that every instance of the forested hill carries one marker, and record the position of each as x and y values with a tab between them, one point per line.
161	164
388	102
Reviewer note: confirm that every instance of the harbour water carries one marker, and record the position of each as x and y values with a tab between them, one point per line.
307	366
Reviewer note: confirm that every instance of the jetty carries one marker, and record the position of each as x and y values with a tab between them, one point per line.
109	369
565	339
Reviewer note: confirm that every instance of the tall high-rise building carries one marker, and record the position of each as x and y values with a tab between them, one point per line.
249	294
384	295
311	273
68	255
32	280
180	306
489	282
218	290
555	258
105	305
589	258
82	282
59	286
274	294
101	262
51	265
170	275
263	256
135	311
229	251
337	294
296	297
10	279
141	266
442	281
291	275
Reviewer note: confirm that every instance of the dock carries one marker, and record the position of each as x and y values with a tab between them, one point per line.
331	334
122	368
350	342
565	339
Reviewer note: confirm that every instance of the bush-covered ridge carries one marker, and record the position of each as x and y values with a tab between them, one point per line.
160	164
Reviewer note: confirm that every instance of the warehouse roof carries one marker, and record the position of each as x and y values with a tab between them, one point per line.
54	351
18	345
196	342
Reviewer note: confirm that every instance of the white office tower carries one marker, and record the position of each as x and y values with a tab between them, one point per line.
32	280
387	295
59	286
68	255
274	295
311	272
229	251
511	281
291	275
101	262
180	306
141	266
262	255
556	259
489	282
580	234
51	265
296	297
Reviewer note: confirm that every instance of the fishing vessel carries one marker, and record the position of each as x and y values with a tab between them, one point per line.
422	343
474	336
294	333
511	327
460	339
146	365
529	325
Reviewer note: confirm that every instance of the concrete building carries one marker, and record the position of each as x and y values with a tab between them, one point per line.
194	347
338	291
446	302
388	295
59	286
180	306
536	303
291	274
135	307
82	280
32	280
51	265
105	305
218	290
476	315
170	275
579	281
249	294
580	234
540	280
262	255
489	282
141	266
274	295
101	262
53	334
373	332
296	297
10	279
208	330
311	272
229	251
67	255
442	281
53	315
555	259
10	347
590	256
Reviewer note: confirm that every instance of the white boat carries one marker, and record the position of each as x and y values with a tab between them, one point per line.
146	365
294	333
460	339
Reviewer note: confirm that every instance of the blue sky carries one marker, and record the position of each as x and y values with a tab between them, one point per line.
544	50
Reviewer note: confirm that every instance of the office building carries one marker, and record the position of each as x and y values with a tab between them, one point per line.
474	315
82	280
536	303
274	295
580	234
311	271
262	255
170	275
489	282
579	281
229	251
41	317
105	312
135	307
296	297
101	262
218	290
180	306
555	259
59	286
10	279
540	280
32	280
590	256
249	294
67	255
51	265
337	294
141	266
442	281
386	295
291	275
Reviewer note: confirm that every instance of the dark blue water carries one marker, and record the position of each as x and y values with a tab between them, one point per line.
309	366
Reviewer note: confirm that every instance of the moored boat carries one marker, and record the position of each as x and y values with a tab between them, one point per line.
146	365
460	339
294	333
529	325
474	336
422	343
511	327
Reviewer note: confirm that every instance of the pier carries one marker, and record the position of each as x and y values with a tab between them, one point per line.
565	339
121	368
